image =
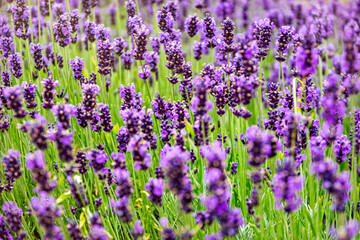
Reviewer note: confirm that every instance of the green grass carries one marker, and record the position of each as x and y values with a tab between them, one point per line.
311	221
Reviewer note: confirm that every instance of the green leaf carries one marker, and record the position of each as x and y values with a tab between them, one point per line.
63	197
189	128
82	223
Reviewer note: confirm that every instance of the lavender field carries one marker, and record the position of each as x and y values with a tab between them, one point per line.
179	119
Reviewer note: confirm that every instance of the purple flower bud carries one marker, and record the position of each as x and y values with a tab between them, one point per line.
37	129
228	34
208	27
174	56
81	163
74	20
127	60
74	231
130	8
338	186
307	57
260	145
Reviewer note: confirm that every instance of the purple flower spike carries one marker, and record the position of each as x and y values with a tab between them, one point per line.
228	35
130	8
260	145
77	65
342	148
174	56
105	57
138	230
140	37
105	117
14	101
173	161
49	92
29	94
139	148
6	47
307	57
192	25
121	208
15	65
62	30
208	27
119	46
46	211
4	231
287	184
349	231
338	186
123	138
284	38
90	30
144	72
21	16
35	50
262	34
74	20
156	188
6	78
35	162
12	169
97	160
12	216
63	141
37	130
63	114
81	163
